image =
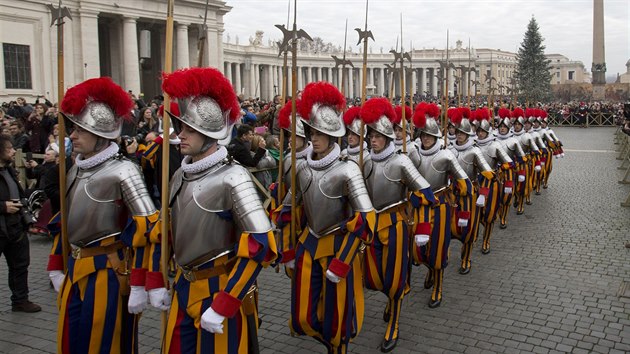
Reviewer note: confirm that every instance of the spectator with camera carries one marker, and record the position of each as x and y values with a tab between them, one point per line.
239	147
40	126
14	217
36	171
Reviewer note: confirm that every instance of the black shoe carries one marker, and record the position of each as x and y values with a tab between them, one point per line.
26	306
428	281
386	315
528	202
537	193
503	226
434	304
485	250
519	212
545	186
388	345
464	271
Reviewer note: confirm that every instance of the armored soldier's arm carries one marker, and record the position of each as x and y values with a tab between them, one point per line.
360	227
503	157
533	146
414	155
55	259
540	143
421	193
256	247
480	161
518	149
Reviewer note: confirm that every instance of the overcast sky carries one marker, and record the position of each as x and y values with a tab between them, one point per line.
566	25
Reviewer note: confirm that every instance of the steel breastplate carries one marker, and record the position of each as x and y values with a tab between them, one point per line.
384	182
509	146
95	203
435	169
489	152
202	221
323	195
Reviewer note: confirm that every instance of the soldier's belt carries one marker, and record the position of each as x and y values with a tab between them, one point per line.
78	252
207	273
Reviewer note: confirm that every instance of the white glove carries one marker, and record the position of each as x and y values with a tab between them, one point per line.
332	277
290	264
160	298
507	190
557	157
212	321
137	299
56	277
542	163
537	168
421	240
481	200
521	178
562	155
462	222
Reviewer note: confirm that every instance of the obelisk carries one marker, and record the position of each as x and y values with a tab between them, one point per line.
599	56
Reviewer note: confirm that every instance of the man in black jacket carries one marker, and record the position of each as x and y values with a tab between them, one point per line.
240	146
14	243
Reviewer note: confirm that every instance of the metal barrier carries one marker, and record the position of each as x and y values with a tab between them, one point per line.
598	119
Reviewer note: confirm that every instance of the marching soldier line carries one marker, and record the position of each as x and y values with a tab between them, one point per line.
356	226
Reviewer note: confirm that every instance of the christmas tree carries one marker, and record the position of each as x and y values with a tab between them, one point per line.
533	72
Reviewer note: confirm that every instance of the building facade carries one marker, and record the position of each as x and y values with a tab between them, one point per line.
125	39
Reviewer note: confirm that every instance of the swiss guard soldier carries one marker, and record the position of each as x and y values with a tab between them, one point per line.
412	148
531	150
480	174
553	143
109	212
533	115
503	166
438	166
516	153
389	178
220	234
353	131
327	285
303	149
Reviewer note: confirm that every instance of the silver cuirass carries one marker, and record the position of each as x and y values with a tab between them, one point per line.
538	139
437	167
388	180
100	199
527	142
512	147
471	160
494	153
412	152
355	156
330	195
286	167
210	210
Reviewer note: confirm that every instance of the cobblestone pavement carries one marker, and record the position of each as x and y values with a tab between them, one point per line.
550	284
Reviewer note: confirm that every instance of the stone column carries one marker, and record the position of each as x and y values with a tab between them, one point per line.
599	54
350	91
238	84
300	74
309	75
465	84
89	47
434	81
381	81
423	80
451	80
414	81
183	59
319	74
257	87
212	46
228	73
270	81
252	79
130	52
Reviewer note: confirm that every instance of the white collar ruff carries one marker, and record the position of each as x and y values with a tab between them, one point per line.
307	151
432	150
464	147
195	167
386	153
326	160
355	150
99	158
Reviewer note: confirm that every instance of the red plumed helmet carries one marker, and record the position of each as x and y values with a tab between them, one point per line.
466	113
543	114
101	89
101	97
454	115
174	109
378	114
351	114
419	118
375	108
210	82
432	110
504	113
530	113
321	107
320	93
482	114
398	110
518	112
284	116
